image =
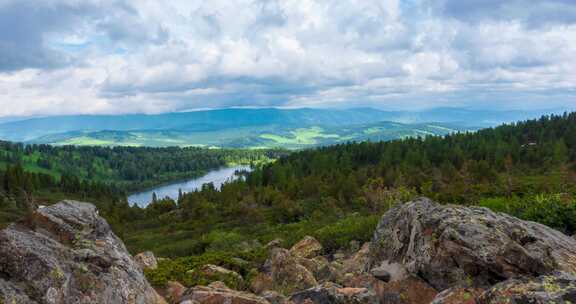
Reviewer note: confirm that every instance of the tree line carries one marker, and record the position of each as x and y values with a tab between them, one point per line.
526	169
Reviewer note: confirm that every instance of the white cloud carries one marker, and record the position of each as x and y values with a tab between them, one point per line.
151	56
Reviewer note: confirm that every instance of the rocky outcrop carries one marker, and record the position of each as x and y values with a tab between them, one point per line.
330	293
307	248
321	269
287	274
216	273
448	246
410	290
219	294
146	260
66	253
358	261
274	297
174	291
559	287
458	296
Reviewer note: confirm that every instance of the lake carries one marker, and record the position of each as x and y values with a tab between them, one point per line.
217	177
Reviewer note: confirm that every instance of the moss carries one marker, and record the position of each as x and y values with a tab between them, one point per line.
85	280
550	285
56	274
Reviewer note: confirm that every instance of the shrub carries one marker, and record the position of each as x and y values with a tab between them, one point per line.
339	234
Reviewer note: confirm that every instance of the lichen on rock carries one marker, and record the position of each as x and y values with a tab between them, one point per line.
67	253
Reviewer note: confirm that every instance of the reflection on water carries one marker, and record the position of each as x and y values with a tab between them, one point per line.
217	177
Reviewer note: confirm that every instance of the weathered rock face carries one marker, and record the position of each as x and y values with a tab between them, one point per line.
217	273
307	248
410	290
559	287
218	294
451	245
66	253
458	296
330	293
274	297
146	260
287	274
357	262
174	292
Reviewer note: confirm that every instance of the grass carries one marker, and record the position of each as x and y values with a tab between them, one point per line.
302	136
256	137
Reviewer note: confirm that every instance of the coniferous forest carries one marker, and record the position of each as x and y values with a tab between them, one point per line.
336	194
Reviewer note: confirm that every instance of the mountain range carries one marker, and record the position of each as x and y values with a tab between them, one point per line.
249	128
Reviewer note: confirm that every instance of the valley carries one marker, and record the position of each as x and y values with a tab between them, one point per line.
249	128
215	177
326	214
267	137
287	152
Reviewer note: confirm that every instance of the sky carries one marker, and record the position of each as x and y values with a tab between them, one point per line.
152	56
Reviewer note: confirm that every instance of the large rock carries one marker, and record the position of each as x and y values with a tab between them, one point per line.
449	246
219	294
274	297
321	268
410	290
308	248
213	273
357	262
558	288
174	291
458	296
66	253
287	274
330	293
146	260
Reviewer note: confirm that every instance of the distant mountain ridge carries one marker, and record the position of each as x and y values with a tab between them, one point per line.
235	127
25	130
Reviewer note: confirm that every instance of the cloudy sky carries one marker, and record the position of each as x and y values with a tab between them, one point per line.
151	56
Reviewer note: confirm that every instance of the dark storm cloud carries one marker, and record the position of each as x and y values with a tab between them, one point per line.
24	26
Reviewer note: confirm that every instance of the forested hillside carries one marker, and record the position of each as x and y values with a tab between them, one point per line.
337	194
129	168
40	174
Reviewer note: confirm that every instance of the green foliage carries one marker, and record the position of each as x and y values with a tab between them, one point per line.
253	137
340	234
130	168
554	210
337	193
187	270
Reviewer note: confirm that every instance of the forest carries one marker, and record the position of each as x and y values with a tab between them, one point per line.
336	194
43	174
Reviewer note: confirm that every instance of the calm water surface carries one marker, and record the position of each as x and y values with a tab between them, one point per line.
217	177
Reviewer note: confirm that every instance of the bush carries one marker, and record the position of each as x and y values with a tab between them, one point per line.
186	270
339	234
553	210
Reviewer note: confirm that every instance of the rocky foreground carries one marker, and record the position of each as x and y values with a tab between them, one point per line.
422	252
66	253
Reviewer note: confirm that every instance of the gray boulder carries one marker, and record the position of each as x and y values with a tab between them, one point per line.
559	287
450	246
66	253
330	293
146	260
